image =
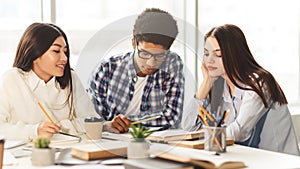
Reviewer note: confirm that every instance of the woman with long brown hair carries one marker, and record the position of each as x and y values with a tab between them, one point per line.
40	81
258	112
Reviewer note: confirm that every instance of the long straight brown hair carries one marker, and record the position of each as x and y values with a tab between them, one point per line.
241	67
35	41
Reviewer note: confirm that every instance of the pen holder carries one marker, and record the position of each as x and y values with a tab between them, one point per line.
215	138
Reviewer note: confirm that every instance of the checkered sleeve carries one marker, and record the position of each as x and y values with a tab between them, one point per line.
173	107
98	89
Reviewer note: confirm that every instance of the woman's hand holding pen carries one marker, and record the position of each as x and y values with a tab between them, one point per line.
47	129
119	124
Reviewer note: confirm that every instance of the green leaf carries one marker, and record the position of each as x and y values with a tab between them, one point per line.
139	131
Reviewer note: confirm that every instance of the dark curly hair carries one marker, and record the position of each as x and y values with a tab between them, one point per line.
155	26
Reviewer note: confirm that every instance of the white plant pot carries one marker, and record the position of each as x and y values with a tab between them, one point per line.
43	156
138	149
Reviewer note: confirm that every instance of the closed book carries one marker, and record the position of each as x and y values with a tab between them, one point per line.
196	144
99	150
175	135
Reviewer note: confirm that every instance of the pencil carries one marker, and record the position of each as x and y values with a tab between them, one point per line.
202	118
71	135
225	114
207	114
45	112
144	120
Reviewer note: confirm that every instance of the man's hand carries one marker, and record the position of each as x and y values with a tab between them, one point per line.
119	124
47	129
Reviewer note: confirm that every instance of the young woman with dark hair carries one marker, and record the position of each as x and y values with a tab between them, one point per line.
41	74
258	112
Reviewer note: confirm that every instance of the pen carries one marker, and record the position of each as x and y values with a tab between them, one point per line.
45	112
165	127
225	114
144	120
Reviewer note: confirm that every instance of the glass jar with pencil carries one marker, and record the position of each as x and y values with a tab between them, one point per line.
214	130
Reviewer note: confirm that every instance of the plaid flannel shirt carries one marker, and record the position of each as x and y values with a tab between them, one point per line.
112	89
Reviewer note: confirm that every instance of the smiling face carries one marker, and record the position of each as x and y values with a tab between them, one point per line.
213	57
147	66
52	62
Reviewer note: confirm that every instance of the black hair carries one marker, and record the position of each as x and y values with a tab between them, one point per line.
155	26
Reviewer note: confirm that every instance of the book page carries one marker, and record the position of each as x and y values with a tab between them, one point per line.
59	140
114	136
199	157
13	143
9	159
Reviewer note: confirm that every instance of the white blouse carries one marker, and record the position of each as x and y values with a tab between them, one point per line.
20	114
245	109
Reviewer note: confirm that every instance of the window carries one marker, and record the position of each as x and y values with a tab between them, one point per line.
272	32
15	16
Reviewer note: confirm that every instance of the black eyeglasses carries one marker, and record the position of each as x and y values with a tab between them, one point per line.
160	57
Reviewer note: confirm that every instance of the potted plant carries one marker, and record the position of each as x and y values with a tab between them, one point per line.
42	154
139	146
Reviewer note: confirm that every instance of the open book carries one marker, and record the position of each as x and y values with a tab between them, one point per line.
175	135
99	150
59	140
13	143
149	163
200	158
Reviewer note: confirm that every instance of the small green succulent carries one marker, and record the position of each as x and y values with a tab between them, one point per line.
139	132
41	142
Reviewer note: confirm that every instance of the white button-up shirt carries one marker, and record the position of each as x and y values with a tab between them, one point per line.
20	114
245	110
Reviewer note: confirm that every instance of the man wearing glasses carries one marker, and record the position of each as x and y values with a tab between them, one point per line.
145	83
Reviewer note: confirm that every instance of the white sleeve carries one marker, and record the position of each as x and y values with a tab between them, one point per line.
10	126
251	110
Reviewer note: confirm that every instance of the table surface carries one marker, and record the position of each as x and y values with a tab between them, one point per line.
252	157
